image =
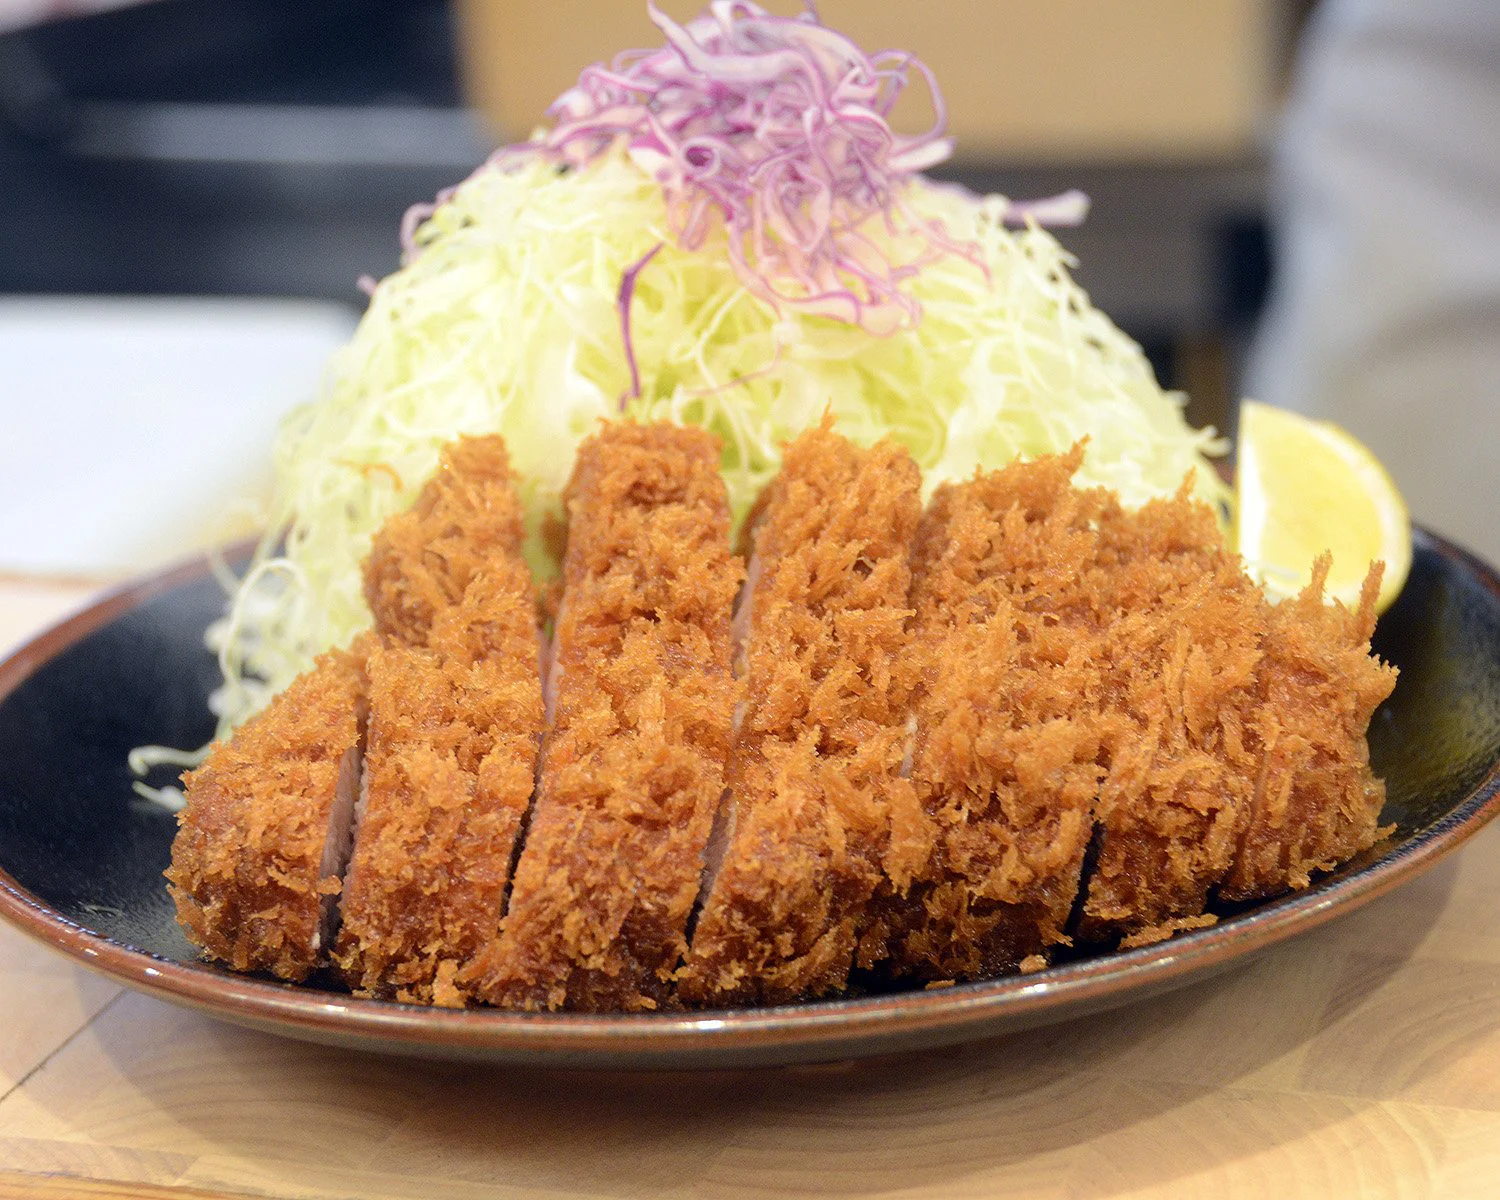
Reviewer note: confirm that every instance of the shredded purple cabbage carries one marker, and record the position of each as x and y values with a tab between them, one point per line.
779	128
627	293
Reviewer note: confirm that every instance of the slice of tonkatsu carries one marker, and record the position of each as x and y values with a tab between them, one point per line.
819	815
454	732
1316	802
1182	646
643	697
1010	722
1236	760
262	842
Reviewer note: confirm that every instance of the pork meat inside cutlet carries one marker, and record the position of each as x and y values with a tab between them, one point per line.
633	766
454	733
1009	722
1181	648
262	842
819	814
1316	802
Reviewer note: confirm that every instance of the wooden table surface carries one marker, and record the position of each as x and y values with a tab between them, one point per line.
1362	1060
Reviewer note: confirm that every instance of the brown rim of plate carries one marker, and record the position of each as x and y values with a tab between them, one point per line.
830	1025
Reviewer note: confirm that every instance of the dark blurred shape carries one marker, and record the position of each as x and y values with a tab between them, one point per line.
225	146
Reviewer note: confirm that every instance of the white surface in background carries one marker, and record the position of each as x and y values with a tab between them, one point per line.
132	429
15	14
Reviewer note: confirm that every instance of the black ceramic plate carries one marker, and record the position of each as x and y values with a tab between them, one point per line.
81	857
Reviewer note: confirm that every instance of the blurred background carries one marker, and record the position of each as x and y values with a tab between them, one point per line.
214	176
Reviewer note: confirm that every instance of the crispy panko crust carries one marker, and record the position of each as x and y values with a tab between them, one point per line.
1009	724
248	872
455	728
423	560
1242	764
1182	646
961	738
1115	675
633	765
1316	802
454	734
820	815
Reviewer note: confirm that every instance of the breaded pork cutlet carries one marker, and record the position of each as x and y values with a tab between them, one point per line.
633	765
1009	722
1316	802
818	814
1182	628
262	842
960	739
454	733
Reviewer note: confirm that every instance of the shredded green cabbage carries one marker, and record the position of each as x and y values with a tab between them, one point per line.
505	320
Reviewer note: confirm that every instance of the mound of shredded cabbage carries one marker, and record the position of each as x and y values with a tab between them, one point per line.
507	321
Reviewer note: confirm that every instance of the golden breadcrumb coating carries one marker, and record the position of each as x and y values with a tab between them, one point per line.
1097	671
1009	726
422	560
252	873
1316	802
819	813
959	739
454	732
1182	646
633	764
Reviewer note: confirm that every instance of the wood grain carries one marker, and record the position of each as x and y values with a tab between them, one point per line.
1362	1060
17	1186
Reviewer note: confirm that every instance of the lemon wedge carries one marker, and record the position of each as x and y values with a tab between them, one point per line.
1306	487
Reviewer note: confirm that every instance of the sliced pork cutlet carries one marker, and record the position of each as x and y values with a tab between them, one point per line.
455	728
422	560
633	765
818	814
1009	722
1316	802
1182	644
454	734
261	845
